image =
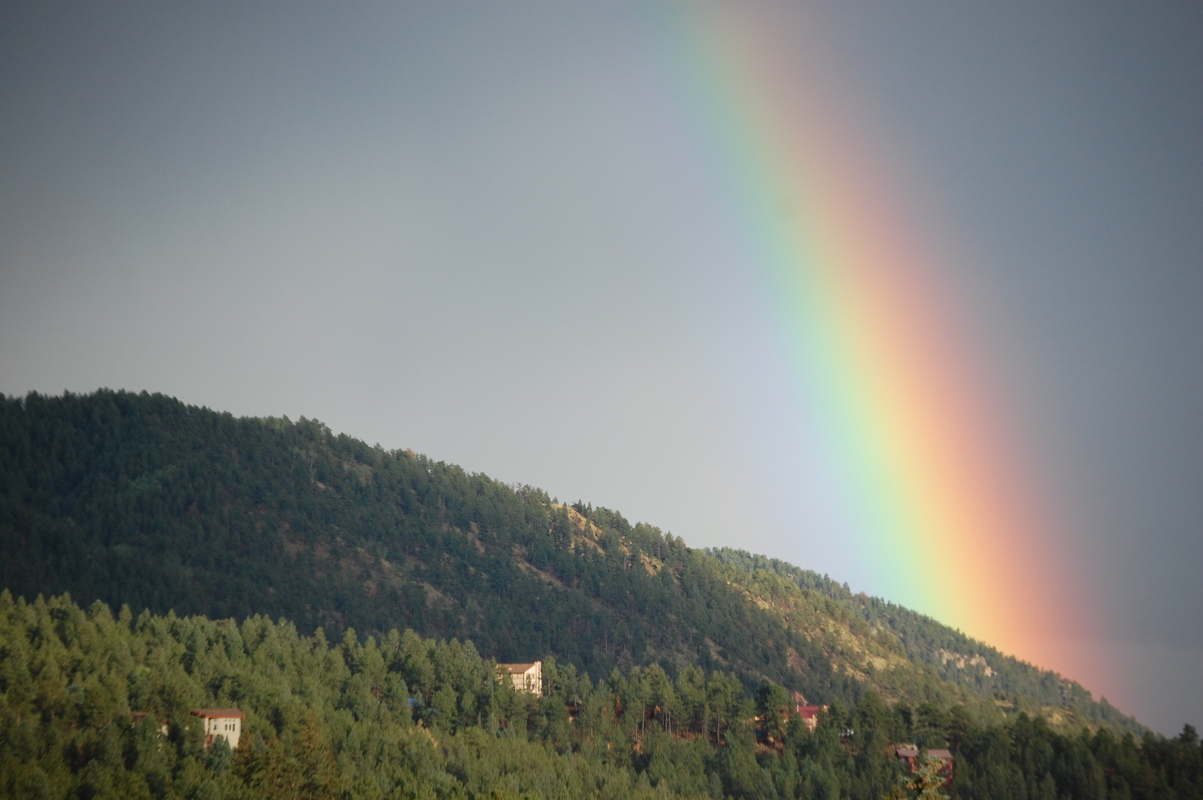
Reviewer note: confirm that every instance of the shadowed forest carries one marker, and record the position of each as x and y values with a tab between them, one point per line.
668	670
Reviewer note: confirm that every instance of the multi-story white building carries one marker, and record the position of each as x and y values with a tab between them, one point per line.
527	677
223	722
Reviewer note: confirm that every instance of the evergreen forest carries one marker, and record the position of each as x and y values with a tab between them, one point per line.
407	717
667	668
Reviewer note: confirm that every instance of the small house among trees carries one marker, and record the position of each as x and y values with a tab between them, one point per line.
910	758
808	713
526	677
223	722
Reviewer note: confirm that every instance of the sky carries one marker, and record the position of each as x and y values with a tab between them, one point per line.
906	294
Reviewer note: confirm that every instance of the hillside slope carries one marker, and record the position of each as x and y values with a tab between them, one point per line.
142	500
96	705
902	654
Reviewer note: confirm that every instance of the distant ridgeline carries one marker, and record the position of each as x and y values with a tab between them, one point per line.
956	658
139	499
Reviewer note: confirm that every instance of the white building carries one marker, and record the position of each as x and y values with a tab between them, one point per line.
223	722
527	677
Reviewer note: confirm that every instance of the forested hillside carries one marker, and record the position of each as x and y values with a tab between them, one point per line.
142	500
888	647
405	717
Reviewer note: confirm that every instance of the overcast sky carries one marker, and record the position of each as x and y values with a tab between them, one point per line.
472	230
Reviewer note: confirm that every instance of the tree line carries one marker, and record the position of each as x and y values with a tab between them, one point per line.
142	500
402	716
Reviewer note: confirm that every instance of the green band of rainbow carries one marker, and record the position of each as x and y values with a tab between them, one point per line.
938	500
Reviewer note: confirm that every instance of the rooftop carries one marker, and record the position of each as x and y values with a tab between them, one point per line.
515	669
218	713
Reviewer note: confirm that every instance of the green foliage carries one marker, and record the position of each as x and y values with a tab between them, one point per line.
927	782
139	499
401	716
952	668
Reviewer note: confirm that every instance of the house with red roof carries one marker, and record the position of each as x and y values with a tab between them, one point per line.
808	713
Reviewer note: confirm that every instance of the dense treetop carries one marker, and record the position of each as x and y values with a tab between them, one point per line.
140	500
401	716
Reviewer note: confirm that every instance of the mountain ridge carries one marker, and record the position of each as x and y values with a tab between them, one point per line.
141	499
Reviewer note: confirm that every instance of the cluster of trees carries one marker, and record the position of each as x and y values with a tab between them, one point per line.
401	716
923	640
139	499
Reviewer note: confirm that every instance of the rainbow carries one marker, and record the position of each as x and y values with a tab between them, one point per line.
939	500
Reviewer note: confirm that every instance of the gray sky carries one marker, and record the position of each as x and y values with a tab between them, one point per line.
476	231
